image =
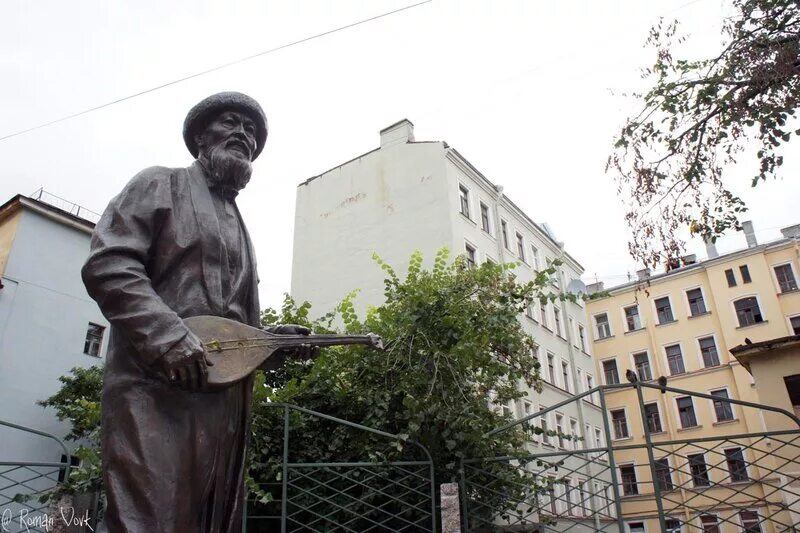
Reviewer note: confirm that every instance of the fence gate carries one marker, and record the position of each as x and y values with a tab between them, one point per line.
365	495
654	459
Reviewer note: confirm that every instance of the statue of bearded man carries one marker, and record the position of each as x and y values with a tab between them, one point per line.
173	245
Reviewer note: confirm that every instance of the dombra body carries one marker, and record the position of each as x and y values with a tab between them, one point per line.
237	349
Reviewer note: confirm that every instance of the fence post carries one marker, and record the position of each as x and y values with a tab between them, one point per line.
611	463
450	508
285	473
463	496
651	457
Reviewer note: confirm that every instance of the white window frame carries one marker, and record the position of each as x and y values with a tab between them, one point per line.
489	215
638	521
700	519
649	363
504	236
579	379
565	363
574	432
468	198
732	304
627	423
713	411
654	309
535	257
701	363
686	300
775	276
603	370
666	359
470	244
789	322
558	321
660	415
489	259
547	356
596	334
520	242
560	440
624	317
698	424
741	523
582	344
545	439
621	484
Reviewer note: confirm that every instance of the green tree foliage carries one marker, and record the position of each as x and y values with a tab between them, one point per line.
698	118
453	340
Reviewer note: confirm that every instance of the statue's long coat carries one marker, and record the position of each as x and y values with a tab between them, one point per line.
173	460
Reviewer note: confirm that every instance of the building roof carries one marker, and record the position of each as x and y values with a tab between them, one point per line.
700	265
51	211
744	353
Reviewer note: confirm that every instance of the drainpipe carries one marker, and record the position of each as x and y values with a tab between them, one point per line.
498	225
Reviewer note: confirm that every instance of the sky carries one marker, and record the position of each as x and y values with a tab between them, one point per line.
530	92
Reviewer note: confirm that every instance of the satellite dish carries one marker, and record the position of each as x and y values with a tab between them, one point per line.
576	286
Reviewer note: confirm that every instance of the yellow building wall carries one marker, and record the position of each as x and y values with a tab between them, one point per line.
8	229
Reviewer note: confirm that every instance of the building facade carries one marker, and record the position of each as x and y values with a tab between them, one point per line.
681	324
406	196
48	323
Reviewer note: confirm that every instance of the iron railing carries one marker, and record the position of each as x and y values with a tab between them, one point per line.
743	480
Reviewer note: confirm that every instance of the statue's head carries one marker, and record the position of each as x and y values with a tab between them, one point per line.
226	132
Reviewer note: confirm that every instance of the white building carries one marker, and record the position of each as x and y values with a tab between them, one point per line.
408	195
48	323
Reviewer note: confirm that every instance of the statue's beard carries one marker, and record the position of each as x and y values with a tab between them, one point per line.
227	171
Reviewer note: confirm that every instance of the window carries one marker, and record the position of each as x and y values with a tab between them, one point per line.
697	306
747	311
610	372
620	424
636	527
543	425
485	218
745	272
527	408
94	339
551	368
751	522
543	314
785	277
686	412
469	253
603	327
529	312
699	470
708	349
582	498
672	525
730	277
463	195
664	310
653	418
504	231
793	388
627	474
550	499
736	465
642	364
579	380
573	431
722	409
560	429
557	320
794	322
590	386
520	247
709	523
675	359
507	410
664	475
632	320
565	379
568	495
598	438
582	334
534	257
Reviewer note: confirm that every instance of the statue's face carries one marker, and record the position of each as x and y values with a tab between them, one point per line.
233	132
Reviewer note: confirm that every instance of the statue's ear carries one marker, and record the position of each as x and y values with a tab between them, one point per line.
199	140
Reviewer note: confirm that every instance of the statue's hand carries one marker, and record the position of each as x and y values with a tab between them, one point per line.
185	364
302	352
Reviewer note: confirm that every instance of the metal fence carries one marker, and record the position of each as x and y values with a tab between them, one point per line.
23	482
641	478
366	495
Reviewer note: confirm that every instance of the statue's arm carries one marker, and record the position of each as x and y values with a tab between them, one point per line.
115	273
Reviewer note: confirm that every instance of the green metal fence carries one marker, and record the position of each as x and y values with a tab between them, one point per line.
347	496
22	482
641	478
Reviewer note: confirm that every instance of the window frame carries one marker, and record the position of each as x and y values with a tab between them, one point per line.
669	469
636	366
744	271
694	413
557	319
666	358
659	322
758	523
597	326
716	522
566	375
791	326
95	342
790	264
689	303
487	228
624	411
660	418
736	311
730	277
616	368
471	258
464	200
706	470
739	449
520	240
504	232
626	324
714	407
701	359
534	257
632	466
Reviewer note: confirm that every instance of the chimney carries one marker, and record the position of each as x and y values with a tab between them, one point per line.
791	232
749	233
689	259
643	274
711	249
398	133
593	288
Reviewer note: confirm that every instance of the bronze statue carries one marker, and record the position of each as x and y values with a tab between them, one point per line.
173	245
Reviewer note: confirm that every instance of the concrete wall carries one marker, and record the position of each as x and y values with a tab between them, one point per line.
44	314
8	229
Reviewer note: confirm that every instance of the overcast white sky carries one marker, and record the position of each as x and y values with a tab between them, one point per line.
529	91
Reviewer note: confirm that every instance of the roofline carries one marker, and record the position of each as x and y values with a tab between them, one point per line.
395	124
519	211
50	211
771	344
700	265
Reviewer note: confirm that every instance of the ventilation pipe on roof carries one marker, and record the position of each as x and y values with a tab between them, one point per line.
749	233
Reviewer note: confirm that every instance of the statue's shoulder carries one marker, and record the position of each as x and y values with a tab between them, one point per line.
156	176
